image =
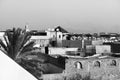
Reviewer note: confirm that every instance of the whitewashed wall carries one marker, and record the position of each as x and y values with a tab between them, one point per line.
97	42
10	70
103	49
59	39
40	41
60	51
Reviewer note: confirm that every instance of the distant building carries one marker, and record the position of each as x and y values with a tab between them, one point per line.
56	35
40	37
60	32
52	37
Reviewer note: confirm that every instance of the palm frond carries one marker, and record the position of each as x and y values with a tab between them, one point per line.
6	40
17	42
28	47
27	37
2	44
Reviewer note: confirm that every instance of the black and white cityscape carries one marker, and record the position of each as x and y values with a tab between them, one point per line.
59	40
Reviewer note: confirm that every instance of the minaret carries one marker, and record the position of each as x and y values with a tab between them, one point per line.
26	28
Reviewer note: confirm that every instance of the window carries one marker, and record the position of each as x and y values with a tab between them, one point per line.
97	64
57	29
78	65
59	36
113	63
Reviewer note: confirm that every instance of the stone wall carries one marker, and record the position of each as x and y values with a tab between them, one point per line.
53	77
96	68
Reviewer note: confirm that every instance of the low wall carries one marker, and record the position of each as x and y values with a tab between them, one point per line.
53	77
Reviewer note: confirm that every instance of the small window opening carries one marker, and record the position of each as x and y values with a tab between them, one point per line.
59	36
78	65
113	63
97	64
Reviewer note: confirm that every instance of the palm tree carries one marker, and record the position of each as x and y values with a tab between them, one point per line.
17	43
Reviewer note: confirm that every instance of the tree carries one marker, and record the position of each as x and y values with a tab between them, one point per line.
17	43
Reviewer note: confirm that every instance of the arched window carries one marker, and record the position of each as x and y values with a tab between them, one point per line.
59	36
78	65
113	63
97	64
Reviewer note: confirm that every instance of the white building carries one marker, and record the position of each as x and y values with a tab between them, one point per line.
56	35
41	38
60	33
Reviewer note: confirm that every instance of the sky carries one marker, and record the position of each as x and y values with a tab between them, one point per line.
77	16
